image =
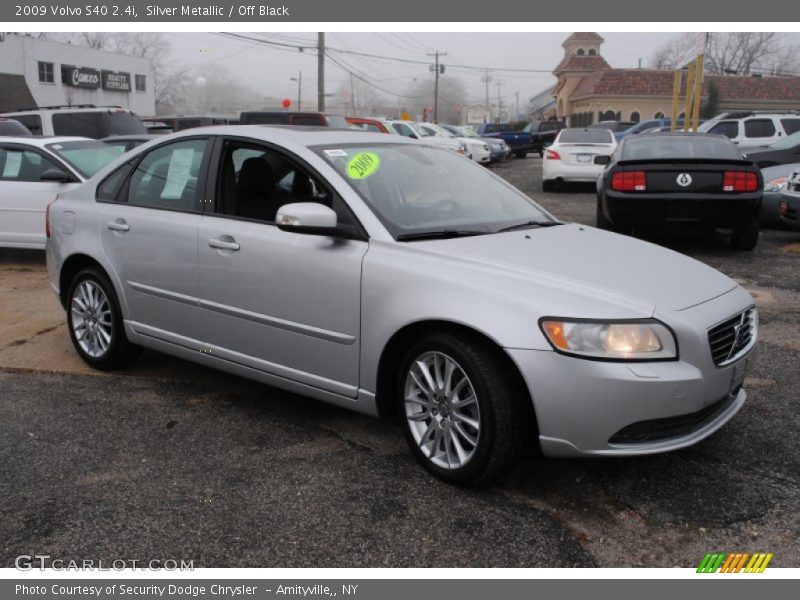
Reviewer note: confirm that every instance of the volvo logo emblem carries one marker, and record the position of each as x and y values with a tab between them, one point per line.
684	180
739	335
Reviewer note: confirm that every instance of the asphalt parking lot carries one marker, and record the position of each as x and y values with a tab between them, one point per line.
169	460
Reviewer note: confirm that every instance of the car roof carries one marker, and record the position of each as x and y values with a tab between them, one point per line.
42	141
304	135
32	111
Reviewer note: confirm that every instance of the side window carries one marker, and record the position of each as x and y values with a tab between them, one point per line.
729	129
23	165
548	126
167	176
306	120
256	181
790	126
84	124
403	130
108	190
32	122
758	128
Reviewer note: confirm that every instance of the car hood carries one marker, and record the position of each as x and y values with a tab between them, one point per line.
583	259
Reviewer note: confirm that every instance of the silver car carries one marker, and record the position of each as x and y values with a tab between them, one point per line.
404	281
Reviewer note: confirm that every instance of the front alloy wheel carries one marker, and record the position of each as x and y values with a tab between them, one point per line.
442	411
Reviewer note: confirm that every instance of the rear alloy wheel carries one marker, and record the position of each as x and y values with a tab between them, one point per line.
94	320
463	415
745	239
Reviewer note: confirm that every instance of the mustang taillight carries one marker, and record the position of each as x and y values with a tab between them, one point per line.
551	155
739	181
629	181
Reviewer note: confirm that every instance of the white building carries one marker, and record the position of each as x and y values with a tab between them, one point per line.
48	73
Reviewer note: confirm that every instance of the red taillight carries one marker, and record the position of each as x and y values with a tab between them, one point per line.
629	181
47	218
551	155
739	181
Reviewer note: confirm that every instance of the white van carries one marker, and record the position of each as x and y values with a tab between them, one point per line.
752	128
85	120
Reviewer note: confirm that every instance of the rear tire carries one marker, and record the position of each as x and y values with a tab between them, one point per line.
94	321
746	239
602	221
548	185
470	426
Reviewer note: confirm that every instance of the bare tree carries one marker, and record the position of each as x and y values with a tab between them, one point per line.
95	39
361	96
453	98
739	53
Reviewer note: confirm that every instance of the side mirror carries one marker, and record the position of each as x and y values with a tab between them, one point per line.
55	175
602	160
310	218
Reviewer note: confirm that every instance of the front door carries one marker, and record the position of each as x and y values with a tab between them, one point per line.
284	303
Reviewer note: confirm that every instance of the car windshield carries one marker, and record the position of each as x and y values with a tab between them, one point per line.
87	157
679	147
585	136
415	189
790	141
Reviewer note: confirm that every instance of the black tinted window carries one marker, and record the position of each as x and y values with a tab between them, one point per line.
648	147
167	176
729	129
264	119
12	127
84	124
579	136
791	125
32	122
549	126
306	120
755	128
121	123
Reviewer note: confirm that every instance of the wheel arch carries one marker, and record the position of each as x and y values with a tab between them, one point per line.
73	265
399	343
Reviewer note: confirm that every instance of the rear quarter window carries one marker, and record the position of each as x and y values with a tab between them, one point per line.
790	126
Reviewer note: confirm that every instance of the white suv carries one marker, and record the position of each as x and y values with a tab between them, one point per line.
84	121
752	128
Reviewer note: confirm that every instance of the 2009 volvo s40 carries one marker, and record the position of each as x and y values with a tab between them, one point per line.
398	279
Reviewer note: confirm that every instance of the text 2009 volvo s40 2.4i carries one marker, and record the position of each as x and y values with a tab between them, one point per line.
400	280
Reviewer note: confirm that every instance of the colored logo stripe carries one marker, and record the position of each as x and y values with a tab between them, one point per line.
734	563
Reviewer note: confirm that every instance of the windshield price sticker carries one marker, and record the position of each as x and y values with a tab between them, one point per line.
362	165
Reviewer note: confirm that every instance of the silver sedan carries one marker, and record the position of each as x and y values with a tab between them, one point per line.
399	280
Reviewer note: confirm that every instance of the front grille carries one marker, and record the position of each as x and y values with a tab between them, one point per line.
731	338
656	430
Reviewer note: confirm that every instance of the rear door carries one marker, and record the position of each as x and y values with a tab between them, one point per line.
148	230
24	197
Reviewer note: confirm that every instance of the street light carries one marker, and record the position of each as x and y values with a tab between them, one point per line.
299	80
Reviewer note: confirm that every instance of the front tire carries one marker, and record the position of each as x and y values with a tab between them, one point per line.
520	154
746	239
464	415
94	320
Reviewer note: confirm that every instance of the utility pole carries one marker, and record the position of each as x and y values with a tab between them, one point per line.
499	99
487	80
299	80
352	95
437	69
321	72
516	115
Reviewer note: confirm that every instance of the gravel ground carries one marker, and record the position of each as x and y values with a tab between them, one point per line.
168	460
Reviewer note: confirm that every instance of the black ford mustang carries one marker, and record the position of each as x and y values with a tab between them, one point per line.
682	183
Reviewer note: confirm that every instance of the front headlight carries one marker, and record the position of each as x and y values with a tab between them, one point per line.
624	340
775	185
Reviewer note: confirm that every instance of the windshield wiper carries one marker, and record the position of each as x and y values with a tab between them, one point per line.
439	234
529	225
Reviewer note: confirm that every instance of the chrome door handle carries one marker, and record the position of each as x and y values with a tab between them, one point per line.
221	244
118	225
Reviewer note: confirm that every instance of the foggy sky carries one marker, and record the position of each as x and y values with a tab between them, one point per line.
269	69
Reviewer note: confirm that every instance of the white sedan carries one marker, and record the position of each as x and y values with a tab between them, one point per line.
477	149
572	156
33	171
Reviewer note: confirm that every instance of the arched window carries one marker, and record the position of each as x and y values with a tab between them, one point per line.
658	115
609	115
592	52
580	52
635	116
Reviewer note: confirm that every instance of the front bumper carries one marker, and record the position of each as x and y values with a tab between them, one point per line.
679	211
597	408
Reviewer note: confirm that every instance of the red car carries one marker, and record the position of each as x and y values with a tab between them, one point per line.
368	124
